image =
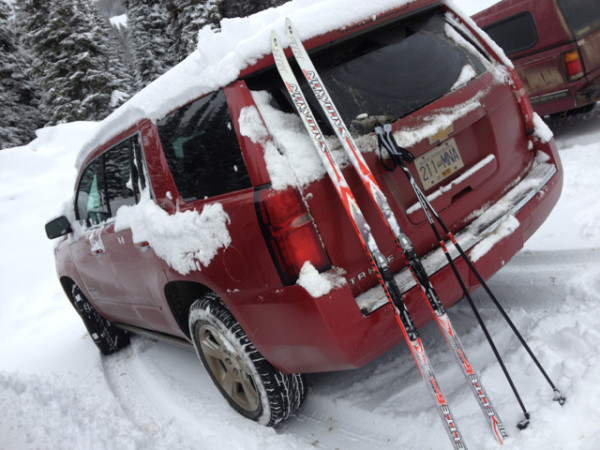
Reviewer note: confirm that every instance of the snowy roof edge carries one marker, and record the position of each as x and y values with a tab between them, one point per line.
222	55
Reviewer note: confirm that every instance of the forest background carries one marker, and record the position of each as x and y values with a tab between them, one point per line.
77	60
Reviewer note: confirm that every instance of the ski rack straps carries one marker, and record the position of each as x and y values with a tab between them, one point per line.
363	231
403	243
386	138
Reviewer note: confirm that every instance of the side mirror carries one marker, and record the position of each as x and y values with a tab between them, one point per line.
58	227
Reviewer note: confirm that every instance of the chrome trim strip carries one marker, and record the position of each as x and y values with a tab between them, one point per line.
477	231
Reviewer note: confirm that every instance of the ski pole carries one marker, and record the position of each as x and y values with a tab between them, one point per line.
387	139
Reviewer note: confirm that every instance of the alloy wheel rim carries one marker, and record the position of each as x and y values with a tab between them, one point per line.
229	368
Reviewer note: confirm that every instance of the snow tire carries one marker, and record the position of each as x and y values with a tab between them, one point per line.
251	385
107	337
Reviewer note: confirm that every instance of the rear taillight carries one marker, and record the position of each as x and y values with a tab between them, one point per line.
290	232
524	102
573	65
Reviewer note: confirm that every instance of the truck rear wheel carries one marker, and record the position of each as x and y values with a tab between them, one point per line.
251	385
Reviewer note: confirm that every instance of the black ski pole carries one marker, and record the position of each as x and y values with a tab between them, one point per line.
398	156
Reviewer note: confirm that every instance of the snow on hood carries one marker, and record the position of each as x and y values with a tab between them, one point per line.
222	55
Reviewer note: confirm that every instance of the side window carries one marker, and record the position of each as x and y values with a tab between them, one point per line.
515	34
202	150
122	175
92	206
114	179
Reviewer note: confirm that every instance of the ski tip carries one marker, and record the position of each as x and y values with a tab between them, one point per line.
289	27
524	423
558	397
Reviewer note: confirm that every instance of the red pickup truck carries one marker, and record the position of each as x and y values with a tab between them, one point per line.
555	47
213	227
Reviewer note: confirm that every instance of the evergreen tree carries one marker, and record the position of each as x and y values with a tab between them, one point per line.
243	8
70	59
19	115
150	39
186	18
122	64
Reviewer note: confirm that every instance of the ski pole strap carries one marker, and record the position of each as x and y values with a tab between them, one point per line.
397	154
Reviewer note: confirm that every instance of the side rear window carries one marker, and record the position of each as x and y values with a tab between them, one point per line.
583	16
202	150
114	179
514	34
91	202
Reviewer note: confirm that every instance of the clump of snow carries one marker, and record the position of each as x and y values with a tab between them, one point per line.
119	21
185	240
252	126
507	227
466	74
442	119
317	284
291	138
542	131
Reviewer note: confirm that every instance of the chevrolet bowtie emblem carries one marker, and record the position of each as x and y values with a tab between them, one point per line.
441	135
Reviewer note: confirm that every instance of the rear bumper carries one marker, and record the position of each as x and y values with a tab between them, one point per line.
338	331
591	94
578	94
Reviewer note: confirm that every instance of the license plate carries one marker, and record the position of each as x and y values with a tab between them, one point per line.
439	163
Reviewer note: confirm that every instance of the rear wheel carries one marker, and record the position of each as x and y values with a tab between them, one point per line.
250	384
108	338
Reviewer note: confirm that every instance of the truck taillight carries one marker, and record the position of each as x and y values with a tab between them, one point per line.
524	102
573	65
290	232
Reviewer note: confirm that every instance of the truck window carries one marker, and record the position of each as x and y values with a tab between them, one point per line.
91	204
202	150
514	34
122	174
114	179
583	16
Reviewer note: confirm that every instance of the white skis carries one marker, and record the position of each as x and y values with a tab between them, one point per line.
378	261
402	241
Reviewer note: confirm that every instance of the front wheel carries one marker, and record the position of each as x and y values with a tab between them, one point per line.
108	338
251	385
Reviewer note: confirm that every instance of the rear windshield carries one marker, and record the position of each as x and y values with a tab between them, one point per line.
389	73
395	71
583	16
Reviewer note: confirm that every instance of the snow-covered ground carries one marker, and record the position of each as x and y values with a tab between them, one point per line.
58	392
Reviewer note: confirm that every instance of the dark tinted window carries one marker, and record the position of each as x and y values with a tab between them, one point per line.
122	174
92	207
202	150
385	74
515	34
583	16
114	179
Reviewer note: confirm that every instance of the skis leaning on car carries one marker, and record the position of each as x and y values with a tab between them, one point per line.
378	261
403	243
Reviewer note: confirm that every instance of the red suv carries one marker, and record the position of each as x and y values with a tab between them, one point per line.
555	47
214	227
